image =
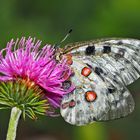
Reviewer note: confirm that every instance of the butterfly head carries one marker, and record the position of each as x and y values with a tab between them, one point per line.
59	53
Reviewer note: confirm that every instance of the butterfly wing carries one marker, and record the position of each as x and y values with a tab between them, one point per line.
102	69
76	108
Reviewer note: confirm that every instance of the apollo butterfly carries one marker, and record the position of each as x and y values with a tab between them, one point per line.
102	70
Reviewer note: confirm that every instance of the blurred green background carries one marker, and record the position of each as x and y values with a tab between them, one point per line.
50	21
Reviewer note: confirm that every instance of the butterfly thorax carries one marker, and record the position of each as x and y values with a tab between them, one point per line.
60	55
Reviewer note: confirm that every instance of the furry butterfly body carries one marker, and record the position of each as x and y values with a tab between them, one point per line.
102	70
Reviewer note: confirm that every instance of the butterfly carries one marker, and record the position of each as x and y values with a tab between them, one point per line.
101	71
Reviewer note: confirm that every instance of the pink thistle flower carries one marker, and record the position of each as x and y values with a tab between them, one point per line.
23	59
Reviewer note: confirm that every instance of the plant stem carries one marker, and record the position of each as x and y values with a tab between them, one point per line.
13	122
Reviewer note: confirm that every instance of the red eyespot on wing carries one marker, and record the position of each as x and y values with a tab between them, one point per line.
86	71
69	59
90	96
72	103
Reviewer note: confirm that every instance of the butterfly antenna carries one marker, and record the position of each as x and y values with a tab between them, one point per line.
66	36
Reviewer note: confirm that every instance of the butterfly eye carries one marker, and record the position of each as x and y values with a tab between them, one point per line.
86	71
90	96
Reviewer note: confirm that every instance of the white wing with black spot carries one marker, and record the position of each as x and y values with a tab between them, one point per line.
75	108
102	69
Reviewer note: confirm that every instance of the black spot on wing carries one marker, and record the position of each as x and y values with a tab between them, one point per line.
106	49
90	50
120	53
66	84
111	90
119	43
98	70
89	65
